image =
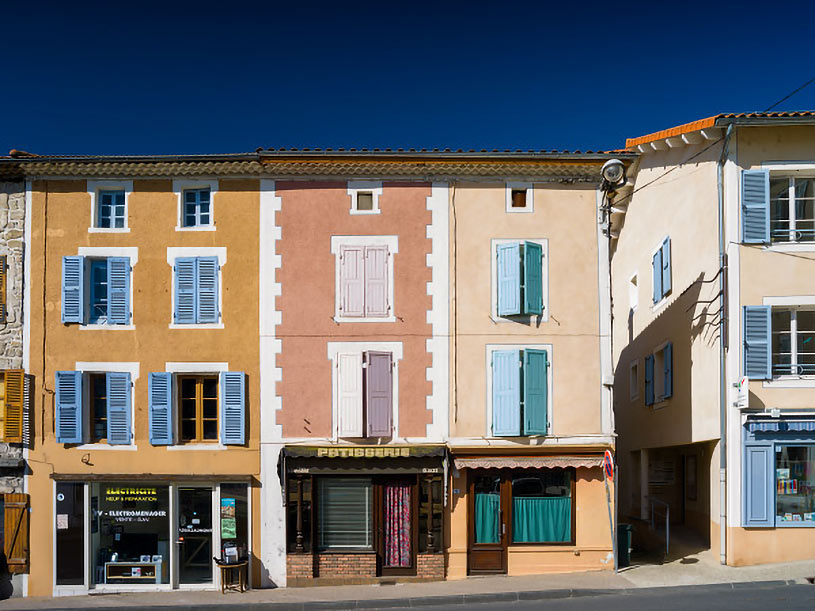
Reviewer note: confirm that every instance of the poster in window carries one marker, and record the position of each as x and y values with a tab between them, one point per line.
690	475
229	527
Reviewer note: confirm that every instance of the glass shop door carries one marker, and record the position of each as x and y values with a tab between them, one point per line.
194	543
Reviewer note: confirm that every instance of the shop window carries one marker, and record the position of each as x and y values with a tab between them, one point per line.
542	507
198	408
519	278
298	510
431	511
70	532
345	513
795	484
234	521
96	290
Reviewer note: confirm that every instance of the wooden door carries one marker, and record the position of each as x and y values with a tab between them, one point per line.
487	523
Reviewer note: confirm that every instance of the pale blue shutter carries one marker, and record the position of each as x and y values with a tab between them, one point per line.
185	283
69	407
119	425
756	329
118	290
759	489
160	393
232	407
656	268
755	206
649	379
73	293
536	394
667	370
533	278
506	393
207	289
666	266
509	279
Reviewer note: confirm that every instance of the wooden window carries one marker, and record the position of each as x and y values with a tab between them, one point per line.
15	532
519	198
11	405
99	407
198	411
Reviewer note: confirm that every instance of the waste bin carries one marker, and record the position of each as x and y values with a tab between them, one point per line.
624	545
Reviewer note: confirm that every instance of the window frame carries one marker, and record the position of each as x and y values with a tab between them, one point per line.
92	378
180	187
176	252
95	252
94	190
528	187
634	376
355	187
514	318
792	218
793	337
655	305
199	408
338	243
660	400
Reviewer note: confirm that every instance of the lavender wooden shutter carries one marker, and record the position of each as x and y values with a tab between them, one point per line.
349	394
506	393
352	281
379	394
376	281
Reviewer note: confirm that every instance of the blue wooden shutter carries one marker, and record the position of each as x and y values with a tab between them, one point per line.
119	290
69	407
533	278
649	379
509	279
506	393
379	394
119	425
756	328
185	283
233	416
536	394
207	276
755	206
73	285
656	268
759	491
666	266
160	392
667	370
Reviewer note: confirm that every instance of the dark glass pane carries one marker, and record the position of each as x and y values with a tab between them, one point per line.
188	408
210	429
210	388
187	430
203	196
189	197
70	541
210	408
188	387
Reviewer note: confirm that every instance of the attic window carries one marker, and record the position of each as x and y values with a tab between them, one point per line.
519	198
365	200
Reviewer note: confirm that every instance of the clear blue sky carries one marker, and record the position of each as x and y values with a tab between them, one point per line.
167	77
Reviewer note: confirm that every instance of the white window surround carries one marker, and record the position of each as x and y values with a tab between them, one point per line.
174	252
802	169
94	187
634	380
490	348
790	381
202	368
87	367
335	348
494	243
530	197
100	252
355	186
179	186
392	244
656	306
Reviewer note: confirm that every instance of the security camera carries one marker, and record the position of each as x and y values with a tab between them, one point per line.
613	172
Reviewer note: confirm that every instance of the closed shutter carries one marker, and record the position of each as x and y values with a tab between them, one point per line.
533	278
119	290
119	426
69	407
666	266
755	206
759	491
14	416
649	379
3	286
15	531
656	268
509	279
185	284
207	277
506	393
756	329
352	281
73	284
667	370
349	394
536	395
376	281
160	391
379	394
233	407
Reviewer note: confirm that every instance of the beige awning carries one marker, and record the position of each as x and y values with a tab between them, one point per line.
527	462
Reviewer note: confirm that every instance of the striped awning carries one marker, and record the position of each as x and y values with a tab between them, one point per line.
528	462
781	426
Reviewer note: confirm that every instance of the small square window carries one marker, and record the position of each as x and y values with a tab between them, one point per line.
519	198
196	211
110	213
365	200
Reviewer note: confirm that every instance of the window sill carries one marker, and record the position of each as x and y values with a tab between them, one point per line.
790	382
800	524
791	247
353	211
198	446
521	318
345	319
105	446
96	327
108	230
525	210
658	305
210	325
201	228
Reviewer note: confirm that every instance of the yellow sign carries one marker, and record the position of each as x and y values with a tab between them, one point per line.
363	452
121	493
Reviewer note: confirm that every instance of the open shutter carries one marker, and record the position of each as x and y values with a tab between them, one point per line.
15	533
3	285
756	329
656	269
506	393
349	395
649	379
536	395
533	278
509	279
352	281
15	391
666	266
376	281
69	407
379	394
119	426
755	206
160	391
185	283
73	285
207	276
759	492
233	408
667	370
119	290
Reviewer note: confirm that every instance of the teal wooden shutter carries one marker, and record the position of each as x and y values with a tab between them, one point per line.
533	278
118	290
119	424
649	379
759	490
185	284
656	268
536	392
509	279
506	393
160	393
666	266
207	289
233	412
73	285
755	206
69	407
756	329
667	370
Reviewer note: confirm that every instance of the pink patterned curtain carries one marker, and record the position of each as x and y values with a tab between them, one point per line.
397	525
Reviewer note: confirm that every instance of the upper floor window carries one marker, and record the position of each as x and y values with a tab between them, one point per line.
12	408
659	374
198	413
96	290
109	200
364	390
661	269
792	209
364	196
364	278
195	290
520	391
518	278
793	341
197	212
519	197
102	414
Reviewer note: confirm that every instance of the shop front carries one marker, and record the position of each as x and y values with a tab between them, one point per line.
358	514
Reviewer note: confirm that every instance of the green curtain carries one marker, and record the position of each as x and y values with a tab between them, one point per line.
487	513
541	519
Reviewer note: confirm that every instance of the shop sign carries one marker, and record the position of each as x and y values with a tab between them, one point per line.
114	494
119	494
